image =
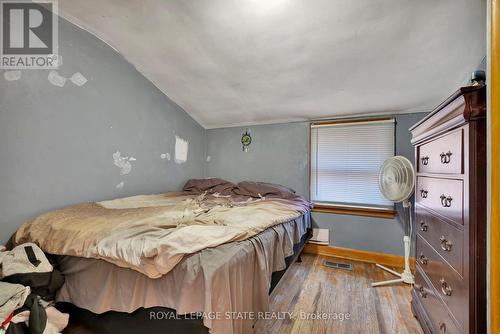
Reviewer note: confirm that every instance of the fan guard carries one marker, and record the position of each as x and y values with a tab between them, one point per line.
396	179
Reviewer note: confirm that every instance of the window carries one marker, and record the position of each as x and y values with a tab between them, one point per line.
345	162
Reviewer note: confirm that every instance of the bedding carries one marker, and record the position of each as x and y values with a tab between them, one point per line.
211	186
191	251
209	281
152	233
263	189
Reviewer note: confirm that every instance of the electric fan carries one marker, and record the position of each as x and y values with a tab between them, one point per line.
396	182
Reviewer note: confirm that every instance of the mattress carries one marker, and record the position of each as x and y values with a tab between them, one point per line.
153	233
216	282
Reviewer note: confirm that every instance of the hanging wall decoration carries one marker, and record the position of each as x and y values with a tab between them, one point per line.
246	140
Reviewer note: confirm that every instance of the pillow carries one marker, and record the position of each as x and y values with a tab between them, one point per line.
257	189
212	185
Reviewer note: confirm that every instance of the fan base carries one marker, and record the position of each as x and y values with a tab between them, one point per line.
404	277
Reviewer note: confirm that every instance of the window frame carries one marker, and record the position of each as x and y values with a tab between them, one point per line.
350	209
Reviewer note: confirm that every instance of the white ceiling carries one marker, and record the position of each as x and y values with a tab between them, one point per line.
240	62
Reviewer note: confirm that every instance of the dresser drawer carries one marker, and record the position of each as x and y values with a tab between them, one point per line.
441	320
446	239
442	155
443	196
450	287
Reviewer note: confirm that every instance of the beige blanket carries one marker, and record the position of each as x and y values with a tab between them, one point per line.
152	233
209	281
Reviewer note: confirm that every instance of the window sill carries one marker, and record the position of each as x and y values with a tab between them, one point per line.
355	211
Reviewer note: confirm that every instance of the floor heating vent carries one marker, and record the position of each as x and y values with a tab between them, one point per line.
336	265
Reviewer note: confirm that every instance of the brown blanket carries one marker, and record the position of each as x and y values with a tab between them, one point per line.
152	233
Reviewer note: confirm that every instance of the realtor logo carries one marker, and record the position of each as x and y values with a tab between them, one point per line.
29	36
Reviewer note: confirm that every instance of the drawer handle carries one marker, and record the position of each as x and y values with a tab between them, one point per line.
421	290
425	160
423	259
445	244
442	328
423	227
445	288
445	157
446	201
423	193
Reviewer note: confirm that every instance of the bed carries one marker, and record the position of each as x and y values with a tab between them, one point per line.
202	260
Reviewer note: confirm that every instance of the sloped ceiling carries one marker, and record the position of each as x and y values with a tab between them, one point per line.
238	62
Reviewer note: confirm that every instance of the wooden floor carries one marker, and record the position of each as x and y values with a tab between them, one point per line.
310	289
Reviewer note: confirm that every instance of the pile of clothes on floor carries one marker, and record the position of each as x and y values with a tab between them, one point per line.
28	283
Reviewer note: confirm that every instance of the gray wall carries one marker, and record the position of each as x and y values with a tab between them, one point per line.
56	144
279	154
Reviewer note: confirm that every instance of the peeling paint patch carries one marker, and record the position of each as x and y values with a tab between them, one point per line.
164	156
56	79
132	159
78	79
12	75
181	150
120	185
209	158
122	162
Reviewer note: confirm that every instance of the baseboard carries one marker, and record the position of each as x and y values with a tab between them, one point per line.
358	255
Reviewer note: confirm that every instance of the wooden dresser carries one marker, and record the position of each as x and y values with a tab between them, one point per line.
449	295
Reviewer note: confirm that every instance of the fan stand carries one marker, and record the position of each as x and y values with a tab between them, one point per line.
406	276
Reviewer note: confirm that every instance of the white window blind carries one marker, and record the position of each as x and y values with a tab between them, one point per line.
345	162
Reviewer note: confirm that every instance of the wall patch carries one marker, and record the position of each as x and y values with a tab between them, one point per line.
209	158
123	163
78	79
56	79
120	185
12	75
181	150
